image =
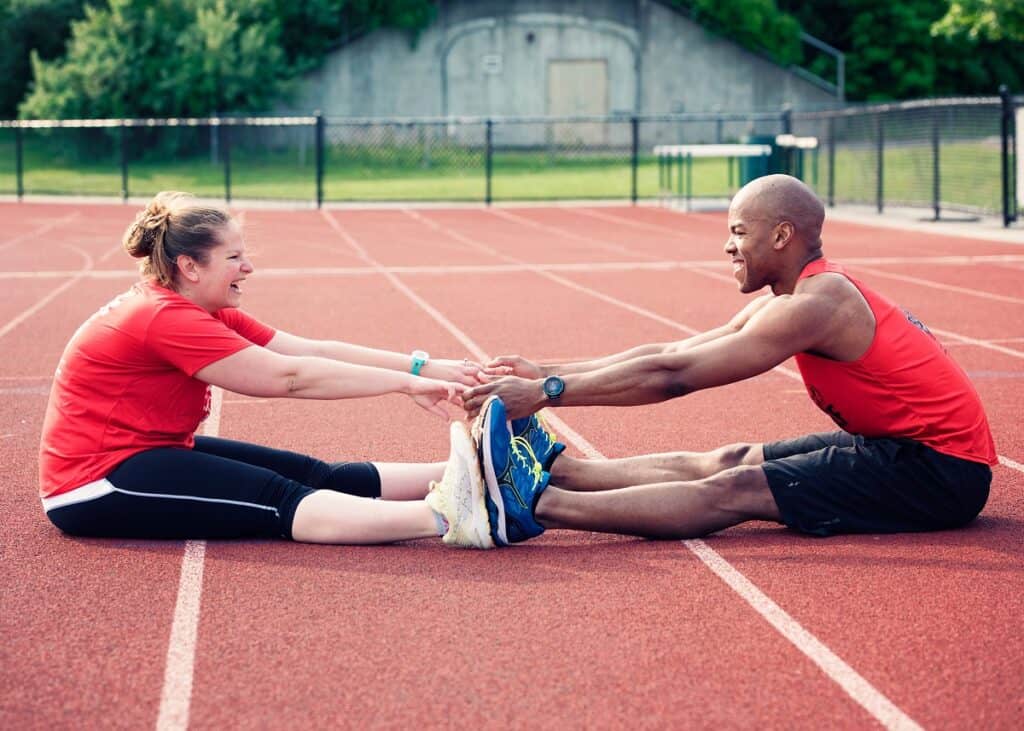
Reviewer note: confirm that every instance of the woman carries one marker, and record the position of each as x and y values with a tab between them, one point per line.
119	457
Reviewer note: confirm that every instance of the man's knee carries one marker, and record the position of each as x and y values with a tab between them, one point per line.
742	490
736	455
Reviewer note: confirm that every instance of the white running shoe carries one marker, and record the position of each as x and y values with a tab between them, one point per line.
459	496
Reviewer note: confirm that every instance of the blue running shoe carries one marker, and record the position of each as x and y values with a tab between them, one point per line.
513	476
540	438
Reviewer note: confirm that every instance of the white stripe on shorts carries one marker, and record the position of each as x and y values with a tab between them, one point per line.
91	491
103	487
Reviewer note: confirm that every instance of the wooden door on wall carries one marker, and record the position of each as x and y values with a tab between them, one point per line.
578	88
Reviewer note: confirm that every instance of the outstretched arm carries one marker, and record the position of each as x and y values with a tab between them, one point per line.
257	371
514	365
777	330
466	372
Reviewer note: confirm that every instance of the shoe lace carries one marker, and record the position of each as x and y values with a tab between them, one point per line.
528	460
547	434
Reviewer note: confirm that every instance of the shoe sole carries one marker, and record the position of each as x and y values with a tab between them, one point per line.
462	444
490	478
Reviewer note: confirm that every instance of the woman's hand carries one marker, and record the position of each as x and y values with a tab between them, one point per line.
515	365
430	394
465	371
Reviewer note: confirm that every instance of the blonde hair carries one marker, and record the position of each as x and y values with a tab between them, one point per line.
171	225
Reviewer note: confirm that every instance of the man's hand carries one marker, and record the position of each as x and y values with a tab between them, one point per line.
521	396
430	394
465	371
515	365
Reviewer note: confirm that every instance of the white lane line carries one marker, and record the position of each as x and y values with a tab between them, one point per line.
176	696
562	233
706	267
45	228
549	275
52	294
938	285
1007	462
856	686
605	216
871	699
986	344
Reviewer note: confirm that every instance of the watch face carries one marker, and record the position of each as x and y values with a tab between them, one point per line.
553	386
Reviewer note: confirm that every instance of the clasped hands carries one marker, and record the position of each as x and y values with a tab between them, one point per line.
468	384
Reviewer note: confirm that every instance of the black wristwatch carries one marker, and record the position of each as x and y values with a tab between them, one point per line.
553	387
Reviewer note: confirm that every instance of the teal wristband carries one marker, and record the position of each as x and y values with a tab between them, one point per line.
419	359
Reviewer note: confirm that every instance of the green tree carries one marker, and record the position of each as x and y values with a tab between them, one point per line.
755	24
893	53
162	58
26	25
138	58
992	20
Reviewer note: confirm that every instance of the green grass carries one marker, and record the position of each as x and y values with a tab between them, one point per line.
970	175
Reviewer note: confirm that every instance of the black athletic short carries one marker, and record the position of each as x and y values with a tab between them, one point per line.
836	482
219	489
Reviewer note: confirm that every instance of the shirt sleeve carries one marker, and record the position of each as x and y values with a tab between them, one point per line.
247	326
190	338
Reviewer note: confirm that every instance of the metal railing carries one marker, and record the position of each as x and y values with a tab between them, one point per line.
945	155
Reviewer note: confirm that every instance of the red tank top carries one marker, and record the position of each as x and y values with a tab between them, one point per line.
905	384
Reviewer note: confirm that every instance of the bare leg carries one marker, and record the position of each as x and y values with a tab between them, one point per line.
664	510
609	474
325	516
407	481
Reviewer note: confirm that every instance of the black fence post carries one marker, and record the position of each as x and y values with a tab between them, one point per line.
635	126
689	179
661	175
124	160
19	173
319	144
488	159
936	179
787	120
880	184
831	162
1009	204
224	132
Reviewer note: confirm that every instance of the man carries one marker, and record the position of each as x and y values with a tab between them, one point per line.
914	448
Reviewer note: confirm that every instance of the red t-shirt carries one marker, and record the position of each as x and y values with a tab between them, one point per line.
905	385
125	382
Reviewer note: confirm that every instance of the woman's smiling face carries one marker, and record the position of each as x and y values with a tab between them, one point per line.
219	281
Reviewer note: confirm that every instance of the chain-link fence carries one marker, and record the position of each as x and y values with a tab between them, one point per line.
942	155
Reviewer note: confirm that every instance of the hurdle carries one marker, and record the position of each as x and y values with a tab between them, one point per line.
678	160
793	149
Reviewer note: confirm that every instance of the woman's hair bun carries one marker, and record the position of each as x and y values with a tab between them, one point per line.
150	226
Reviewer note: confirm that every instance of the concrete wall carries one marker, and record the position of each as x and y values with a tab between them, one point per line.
488	58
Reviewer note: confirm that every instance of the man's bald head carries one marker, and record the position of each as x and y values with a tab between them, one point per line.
778	198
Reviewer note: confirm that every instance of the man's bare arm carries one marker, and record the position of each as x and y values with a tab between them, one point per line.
774	332
516	365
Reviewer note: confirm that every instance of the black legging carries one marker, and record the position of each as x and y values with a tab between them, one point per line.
219	489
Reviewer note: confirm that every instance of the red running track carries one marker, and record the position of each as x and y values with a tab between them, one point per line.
755	626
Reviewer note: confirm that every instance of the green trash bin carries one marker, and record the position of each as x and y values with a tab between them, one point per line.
755	167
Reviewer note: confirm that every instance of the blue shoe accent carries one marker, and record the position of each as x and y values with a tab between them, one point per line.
541	441
514	478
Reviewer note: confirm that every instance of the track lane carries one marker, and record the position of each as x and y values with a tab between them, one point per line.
327	441
452	611
998	540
